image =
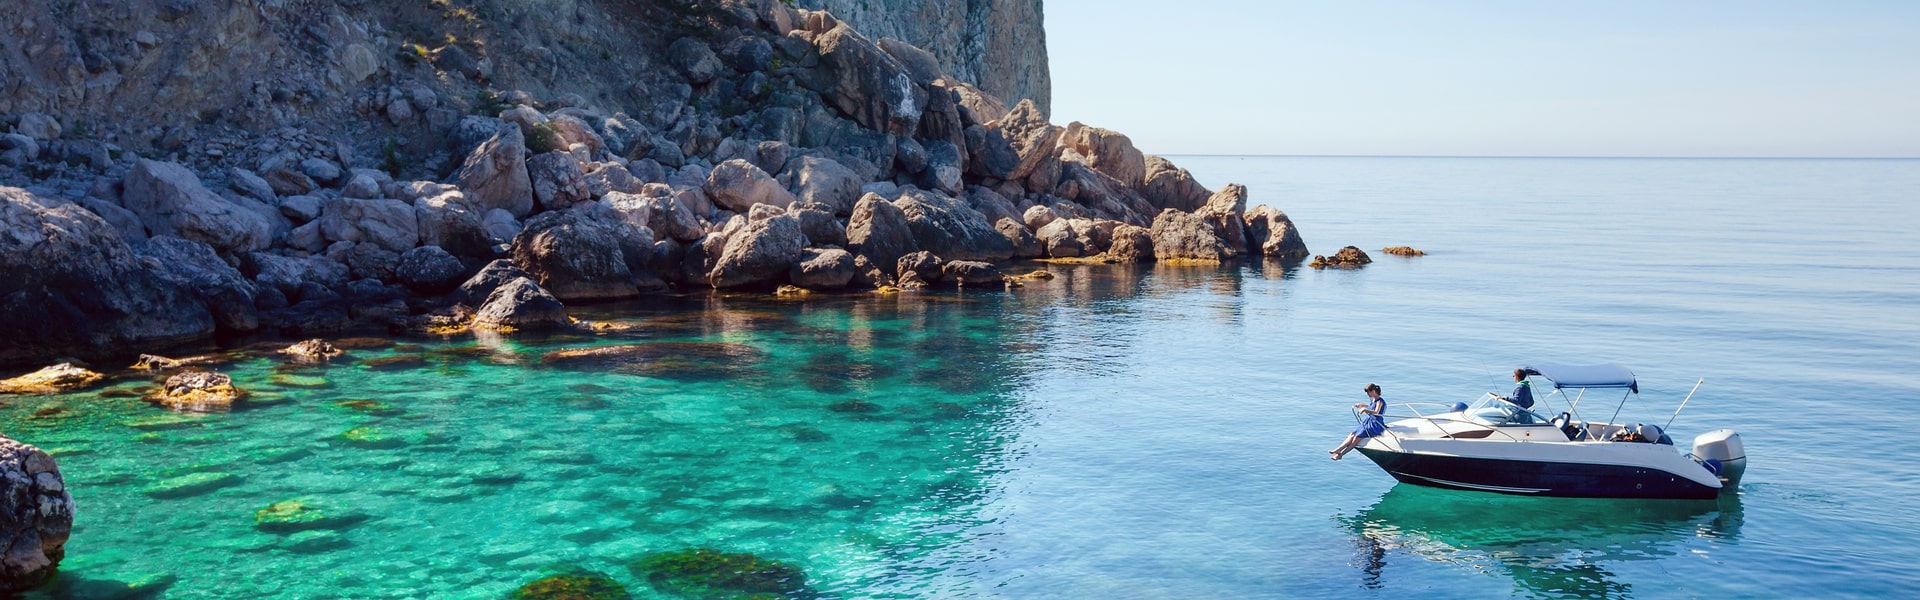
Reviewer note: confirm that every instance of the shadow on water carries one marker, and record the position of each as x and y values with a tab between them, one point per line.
1550	547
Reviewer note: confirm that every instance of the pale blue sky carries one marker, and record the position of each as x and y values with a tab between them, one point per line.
1519	78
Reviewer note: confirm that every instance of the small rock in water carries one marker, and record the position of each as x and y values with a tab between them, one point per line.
63	377
198	390
314	349
1403	251
1347	258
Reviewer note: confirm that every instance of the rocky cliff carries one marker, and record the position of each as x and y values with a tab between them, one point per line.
172	170
999	45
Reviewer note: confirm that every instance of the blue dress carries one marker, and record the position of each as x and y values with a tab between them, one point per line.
1372	424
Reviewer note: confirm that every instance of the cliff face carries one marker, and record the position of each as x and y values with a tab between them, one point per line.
999	45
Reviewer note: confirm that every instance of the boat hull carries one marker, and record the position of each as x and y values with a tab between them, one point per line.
1536	478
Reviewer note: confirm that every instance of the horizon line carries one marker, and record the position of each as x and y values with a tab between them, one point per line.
1545	156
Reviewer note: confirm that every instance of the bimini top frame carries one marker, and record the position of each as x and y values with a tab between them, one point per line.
1587	376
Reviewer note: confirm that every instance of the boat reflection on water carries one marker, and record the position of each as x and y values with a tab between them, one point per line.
1551	547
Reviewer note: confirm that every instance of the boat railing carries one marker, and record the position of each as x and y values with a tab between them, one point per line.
1438	421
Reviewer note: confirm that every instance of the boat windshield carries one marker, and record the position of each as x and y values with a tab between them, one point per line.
1494	410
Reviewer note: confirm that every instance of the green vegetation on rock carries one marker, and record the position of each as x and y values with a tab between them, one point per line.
581	585
370	437
710	574
302	514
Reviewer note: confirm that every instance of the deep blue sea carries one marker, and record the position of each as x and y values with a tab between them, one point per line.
1117	432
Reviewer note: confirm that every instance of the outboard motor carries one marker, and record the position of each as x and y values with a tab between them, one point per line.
1723	446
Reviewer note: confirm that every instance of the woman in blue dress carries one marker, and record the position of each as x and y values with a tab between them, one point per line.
1371	423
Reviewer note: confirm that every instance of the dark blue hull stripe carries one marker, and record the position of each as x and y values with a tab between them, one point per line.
1537	478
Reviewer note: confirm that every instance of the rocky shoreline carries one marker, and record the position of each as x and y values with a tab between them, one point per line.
854	164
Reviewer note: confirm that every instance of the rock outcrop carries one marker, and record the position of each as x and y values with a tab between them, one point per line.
1000	46
36	516
574	257
74	286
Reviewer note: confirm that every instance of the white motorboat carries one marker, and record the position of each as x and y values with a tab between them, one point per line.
1496	446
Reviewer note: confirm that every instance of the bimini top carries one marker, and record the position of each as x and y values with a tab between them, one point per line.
1587	376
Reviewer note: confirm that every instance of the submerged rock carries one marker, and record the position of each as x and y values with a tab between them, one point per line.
36	515
677	360
582	585
63	377
303	514
705	573
191	484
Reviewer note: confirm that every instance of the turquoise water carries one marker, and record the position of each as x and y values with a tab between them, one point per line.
1117	432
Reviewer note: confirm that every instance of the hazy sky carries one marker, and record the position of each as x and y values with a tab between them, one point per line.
1520	78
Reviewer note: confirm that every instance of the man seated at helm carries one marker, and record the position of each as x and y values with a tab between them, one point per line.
1522	396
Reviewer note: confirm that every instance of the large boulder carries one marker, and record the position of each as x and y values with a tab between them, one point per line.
475	290
36	516
820	269
73	286
1271	233
695	60
429	271
389	224
972	273
761	253
1186	236
1058	239
495	173
575	257
867	84
951	229
1225	211
288	273
878	230
1131	244
1168	186
1107	151
171	201
989	154
737	185
1025	245
817	222
825	181
558	180
919	269
520	303
447	220
194	266
1030	137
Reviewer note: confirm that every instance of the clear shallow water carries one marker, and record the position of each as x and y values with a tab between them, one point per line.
1147	432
